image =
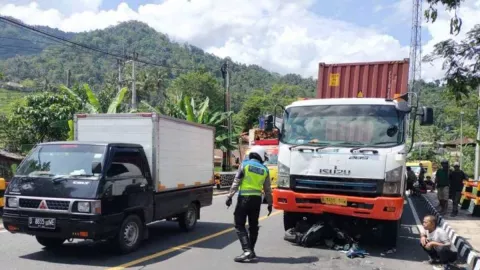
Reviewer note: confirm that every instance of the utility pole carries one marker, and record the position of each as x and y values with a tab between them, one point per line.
226	108
134	90
69	74
119	63
461	139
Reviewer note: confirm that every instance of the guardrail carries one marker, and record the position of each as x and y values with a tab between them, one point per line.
224	179
470	200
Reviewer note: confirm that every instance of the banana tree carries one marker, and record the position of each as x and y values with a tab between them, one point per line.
91	105
184	107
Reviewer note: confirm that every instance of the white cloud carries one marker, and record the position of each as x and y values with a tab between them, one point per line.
282	36
66	7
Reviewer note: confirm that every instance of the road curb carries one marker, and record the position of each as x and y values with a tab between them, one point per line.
465	250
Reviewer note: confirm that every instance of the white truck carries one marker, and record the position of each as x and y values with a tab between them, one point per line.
345	157
122	172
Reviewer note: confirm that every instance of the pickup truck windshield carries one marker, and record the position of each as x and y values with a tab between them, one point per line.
347	125
63	160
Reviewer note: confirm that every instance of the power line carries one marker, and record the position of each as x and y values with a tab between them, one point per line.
63	40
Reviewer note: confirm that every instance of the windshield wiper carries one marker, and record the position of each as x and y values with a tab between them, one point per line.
380	143
315	145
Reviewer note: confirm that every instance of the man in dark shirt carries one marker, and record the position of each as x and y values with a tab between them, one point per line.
457	177
443	183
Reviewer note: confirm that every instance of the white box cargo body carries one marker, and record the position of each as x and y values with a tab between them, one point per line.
180	153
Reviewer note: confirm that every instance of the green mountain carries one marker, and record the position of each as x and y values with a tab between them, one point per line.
15	41
48	67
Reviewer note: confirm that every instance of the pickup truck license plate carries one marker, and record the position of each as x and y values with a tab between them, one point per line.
334	201
42	223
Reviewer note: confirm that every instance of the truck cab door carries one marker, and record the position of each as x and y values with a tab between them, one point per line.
130	180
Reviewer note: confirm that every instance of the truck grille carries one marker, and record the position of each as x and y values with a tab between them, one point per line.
58	205
51	204
29	203
346	186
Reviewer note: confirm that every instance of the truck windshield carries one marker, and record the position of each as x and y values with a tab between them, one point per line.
65	160
348	125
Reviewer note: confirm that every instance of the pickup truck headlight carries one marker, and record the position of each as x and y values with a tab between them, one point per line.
12	202
283	175
92	207
393	181
83	207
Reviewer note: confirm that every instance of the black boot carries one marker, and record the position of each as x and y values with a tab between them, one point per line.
247	251
253	240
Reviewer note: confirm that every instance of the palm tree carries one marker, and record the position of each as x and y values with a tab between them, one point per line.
184	107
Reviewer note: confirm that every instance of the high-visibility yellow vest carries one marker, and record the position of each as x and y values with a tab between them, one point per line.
255	175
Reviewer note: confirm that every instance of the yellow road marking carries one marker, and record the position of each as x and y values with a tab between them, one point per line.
180	247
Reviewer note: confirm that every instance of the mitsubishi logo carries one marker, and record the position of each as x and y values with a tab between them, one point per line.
43	205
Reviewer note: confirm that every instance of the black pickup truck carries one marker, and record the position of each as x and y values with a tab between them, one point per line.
100	191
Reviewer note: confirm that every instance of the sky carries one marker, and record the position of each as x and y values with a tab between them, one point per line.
284	36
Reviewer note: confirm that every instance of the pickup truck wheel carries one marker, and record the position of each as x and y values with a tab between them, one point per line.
188	220
50	242
290	220
130	234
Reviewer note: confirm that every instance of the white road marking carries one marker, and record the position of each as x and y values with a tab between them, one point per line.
415	215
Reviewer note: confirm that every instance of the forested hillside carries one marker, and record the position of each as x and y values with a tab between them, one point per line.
48	68
15	41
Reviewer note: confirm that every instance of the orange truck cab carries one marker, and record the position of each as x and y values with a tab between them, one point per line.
345	157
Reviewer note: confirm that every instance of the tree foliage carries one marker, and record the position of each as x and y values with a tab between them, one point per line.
185	107
199	86
31	121
431	13
261	102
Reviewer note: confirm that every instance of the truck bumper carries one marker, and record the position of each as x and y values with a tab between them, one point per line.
379	208
67	227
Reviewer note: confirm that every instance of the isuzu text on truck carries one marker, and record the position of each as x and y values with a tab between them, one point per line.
345	155
123	172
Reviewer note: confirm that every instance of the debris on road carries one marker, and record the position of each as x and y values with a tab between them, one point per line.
321	233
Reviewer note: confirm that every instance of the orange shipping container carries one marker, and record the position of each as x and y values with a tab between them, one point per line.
366	79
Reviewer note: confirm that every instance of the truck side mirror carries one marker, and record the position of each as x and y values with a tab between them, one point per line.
426	116
96	167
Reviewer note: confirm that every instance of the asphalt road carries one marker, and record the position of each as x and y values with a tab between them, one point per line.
213	245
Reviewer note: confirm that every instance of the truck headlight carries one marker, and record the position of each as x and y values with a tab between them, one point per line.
393	181
12	202
394	175
83	207
283	175
391	188
92	207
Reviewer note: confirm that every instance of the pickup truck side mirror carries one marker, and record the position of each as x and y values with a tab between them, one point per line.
426	116
96	167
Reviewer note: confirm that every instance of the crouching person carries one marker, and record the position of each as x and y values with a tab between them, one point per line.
436	243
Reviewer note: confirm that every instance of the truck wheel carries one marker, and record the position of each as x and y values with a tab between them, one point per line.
188	220
390	233
50	242
290	220
130	234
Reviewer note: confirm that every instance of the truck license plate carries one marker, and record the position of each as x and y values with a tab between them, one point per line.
42	223
334	201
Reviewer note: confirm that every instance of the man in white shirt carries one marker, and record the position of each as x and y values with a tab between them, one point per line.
436	243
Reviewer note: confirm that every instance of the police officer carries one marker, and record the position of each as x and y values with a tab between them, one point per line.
251	178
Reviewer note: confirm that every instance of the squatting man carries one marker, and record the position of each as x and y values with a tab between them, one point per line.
252	177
